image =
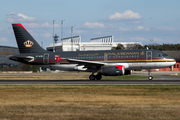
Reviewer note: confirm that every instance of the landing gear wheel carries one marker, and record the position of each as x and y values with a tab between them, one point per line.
98	77
150	77
92	77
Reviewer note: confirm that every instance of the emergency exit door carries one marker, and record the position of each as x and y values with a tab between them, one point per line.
148	55
46	58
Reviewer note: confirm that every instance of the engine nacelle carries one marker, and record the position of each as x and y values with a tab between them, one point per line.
112	70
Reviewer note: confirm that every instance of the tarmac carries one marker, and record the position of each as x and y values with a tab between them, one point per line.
160	78
160	75
88	82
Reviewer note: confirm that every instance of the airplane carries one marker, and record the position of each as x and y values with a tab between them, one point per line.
103	62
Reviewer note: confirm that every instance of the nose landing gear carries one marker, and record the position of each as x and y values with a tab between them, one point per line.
150	75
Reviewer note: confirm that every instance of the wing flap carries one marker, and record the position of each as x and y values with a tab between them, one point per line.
86	63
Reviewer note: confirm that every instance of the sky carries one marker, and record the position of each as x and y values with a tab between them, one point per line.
145	21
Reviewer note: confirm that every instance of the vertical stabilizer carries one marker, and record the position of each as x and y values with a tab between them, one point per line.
26	43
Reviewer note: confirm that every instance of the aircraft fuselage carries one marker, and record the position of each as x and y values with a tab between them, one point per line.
131	59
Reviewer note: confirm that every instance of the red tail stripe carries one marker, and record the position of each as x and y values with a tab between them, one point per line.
19	24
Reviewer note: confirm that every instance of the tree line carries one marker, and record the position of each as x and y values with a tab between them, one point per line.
163	47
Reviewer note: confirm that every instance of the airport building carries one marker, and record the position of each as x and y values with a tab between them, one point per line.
100	43
5	52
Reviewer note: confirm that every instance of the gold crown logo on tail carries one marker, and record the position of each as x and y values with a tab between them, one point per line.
28	43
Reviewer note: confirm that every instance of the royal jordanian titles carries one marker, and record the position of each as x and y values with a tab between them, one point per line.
104	62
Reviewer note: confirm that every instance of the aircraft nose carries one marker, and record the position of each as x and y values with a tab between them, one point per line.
173	61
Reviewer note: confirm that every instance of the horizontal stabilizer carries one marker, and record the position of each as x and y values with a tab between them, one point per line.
23	58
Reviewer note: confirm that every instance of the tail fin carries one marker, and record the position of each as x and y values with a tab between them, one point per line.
26	43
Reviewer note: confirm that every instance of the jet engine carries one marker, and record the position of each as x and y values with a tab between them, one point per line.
112	70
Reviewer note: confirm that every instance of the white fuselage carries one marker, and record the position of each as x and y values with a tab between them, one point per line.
128	66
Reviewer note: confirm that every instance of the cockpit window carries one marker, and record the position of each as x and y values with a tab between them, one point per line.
163	55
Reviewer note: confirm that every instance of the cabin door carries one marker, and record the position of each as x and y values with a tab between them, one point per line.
105	57
46	58
148	55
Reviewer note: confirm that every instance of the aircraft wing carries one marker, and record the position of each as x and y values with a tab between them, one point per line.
90	64
25	58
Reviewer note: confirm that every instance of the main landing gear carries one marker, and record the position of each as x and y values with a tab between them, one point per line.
93	77
150	75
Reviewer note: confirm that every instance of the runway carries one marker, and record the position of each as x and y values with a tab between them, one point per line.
88	82
160	78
